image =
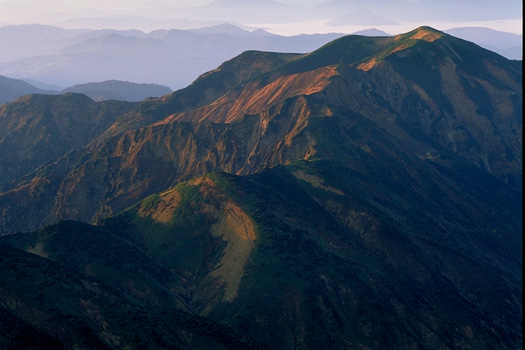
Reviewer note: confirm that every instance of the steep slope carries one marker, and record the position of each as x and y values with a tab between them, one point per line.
437	95
458	108
207	88
366	195
36	129
46	304
313	255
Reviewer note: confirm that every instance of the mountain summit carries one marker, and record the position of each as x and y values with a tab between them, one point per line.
365	195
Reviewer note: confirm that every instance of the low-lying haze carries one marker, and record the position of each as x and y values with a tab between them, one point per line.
61	42
285	17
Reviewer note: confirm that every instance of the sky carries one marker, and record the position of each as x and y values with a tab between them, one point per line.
285	17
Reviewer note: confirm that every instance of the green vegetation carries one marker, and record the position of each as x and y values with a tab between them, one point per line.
378	208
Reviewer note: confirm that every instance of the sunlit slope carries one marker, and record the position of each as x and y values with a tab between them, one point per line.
431	95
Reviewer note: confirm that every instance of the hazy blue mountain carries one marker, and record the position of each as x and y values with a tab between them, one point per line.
232	30
371	32
119	90
172	58
509	45
124	22
43	86
33	39
365	195
11	89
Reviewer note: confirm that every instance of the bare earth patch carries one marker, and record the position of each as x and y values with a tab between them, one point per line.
163	211
238	230
315	181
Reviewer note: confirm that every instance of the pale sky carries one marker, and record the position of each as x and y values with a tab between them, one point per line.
148	15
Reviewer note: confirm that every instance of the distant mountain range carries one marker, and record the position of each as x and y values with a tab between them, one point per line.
119	90
506	44
11	89
172	58
365	195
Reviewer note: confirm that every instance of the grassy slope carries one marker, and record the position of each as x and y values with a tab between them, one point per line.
333	260
389	238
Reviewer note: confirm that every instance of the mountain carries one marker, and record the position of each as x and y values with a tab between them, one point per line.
119	90
365	195
506	44
71	57
36	129
372	32
32	39
11	89
265	255
232	30
156	57
43	86
71	309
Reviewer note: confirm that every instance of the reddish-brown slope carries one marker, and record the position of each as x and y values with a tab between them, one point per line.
257	96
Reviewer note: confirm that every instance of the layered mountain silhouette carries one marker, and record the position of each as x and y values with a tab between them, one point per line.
119	90
506	44
175	58
11	89
172	58
364	195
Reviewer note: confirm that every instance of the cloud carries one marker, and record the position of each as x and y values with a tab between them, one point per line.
361	17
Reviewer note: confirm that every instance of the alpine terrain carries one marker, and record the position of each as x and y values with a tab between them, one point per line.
366	195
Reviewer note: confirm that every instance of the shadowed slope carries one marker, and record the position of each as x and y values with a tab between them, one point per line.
308	203
84	294
437	96
36	129
318	245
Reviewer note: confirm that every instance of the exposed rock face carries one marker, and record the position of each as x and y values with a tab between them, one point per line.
366	195
434	93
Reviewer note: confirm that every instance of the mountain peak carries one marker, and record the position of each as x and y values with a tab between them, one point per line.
422	33
276	196
402	42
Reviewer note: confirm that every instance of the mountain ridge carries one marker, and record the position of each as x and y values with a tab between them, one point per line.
36	129
98	51
225	42
291	201
231	155
176	223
